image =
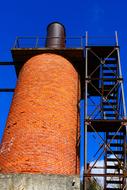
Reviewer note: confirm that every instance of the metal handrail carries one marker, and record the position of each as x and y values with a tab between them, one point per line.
39	42
100	43
71	41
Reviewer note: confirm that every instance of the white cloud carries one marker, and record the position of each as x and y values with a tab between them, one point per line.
100	163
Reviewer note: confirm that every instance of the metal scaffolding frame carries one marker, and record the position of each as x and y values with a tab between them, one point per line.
104	92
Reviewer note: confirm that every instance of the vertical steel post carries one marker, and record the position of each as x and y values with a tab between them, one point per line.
124	104
116	36
120	73
81	143
121	82
86	105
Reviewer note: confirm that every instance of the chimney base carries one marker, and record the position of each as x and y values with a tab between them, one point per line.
39	181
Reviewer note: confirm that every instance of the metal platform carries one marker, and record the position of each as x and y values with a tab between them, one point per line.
106	125
74	55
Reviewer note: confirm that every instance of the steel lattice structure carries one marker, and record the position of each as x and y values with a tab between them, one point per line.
105	112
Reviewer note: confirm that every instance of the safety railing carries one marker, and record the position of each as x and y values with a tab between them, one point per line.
71	42
40	42
101	40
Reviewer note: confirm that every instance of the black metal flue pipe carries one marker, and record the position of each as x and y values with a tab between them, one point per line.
55	35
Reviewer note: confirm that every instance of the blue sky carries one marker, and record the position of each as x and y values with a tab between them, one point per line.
30	18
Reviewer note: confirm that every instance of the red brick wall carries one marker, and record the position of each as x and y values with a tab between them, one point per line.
41	131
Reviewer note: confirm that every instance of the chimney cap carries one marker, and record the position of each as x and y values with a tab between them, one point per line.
56	22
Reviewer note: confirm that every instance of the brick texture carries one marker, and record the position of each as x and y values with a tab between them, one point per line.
42	128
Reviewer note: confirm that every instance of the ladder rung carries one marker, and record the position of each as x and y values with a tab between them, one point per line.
115	152
115	137
108	109
113	167
110	103
110	115
114	174
109	74
111	62
109	79
116	145
114	160
114	182
109	68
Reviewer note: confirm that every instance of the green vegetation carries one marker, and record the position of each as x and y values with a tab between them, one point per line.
93	185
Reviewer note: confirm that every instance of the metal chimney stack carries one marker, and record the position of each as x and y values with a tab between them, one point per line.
55	35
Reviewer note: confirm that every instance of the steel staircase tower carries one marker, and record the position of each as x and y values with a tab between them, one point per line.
107	118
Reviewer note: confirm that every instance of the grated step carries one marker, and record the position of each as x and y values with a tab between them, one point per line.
109	68
110	79
113	167
115	137
114	160
114	62
108	109
114	182
110	103
116	145
109	74
110	115
115	152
